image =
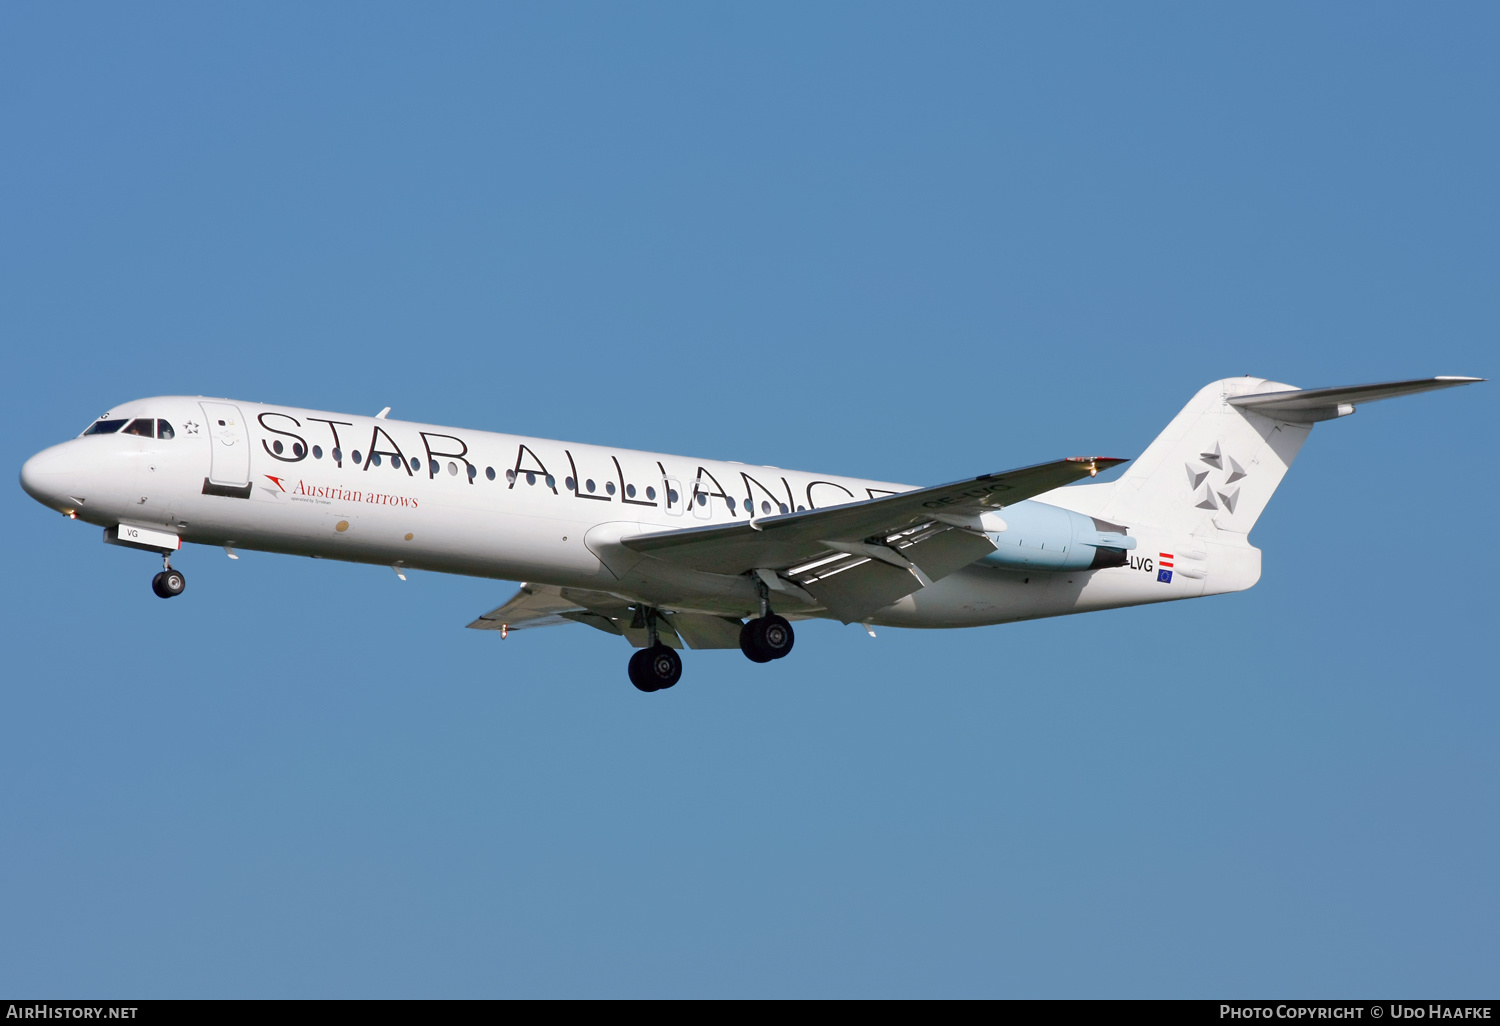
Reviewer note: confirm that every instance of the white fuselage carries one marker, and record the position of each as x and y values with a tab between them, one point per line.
454	500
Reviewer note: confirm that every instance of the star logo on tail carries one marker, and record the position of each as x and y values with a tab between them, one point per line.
1222	495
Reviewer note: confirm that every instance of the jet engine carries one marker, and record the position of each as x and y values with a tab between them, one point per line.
1033	535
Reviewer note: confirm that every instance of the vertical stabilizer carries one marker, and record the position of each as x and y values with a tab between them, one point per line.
1215	465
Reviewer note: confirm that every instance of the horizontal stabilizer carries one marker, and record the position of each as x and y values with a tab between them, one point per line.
1309	405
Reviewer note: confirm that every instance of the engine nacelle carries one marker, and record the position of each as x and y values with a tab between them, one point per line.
1035	536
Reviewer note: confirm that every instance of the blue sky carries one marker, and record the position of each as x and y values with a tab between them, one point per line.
906	242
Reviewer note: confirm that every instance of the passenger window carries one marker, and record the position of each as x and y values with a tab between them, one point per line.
374	458
650	492
104	427
489	472
317	452
164	430
142	426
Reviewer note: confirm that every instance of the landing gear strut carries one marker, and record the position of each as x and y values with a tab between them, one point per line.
655	667
768	636
169	583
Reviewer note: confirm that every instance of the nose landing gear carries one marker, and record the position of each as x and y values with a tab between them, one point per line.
169	583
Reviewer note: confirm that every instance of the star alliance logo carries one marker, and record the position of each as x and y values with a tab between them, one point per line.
1227	497
191	427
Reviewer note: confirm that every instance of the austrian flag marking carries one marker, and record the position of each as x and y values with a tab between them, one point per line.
1164	565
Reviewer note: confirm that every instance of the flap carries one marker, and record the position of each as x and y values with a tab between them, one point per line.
701	630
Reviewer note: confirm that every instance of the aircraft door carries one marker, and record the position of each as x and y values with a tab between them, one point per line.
698	499
230	463
673	500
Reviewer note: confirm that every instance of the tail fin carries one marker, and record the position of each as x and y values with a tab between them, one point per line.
1221	458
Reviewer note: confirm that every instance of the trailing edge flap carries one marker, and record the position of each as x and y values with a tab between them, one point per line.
792	538
1309	405
700	630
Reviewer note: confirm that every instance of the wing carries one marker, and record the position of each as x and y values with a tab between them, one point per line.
861	556
543	605
535	605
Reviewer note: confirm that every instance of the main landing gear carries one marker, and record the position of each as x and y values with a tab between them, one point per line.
765	638
655	667
768	636
169	583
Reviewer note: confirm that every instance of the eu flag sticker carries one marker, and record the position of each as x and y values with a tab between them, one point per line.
1164	576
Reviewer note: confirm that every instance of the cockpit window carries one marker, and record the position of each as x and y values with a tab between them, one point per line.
141	426
164	430
104	427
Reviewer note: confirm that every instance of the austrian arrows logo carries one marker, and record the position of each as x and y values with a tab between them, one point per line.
278	482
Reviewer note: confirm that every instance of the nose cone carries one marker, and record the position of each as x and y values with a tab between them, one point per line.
50	477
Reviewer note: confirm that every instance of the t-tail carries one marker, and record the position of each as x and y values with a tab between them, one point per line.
1207	478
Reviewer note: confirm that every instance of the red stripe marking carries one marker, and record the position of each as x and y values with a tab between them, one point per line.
1165	555
1164	562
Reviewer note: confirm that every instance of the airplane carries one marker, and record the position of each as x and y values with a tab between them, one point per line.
671	551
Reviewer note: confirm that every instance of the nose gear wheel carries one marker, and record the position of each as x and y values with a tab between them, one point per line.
169	583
